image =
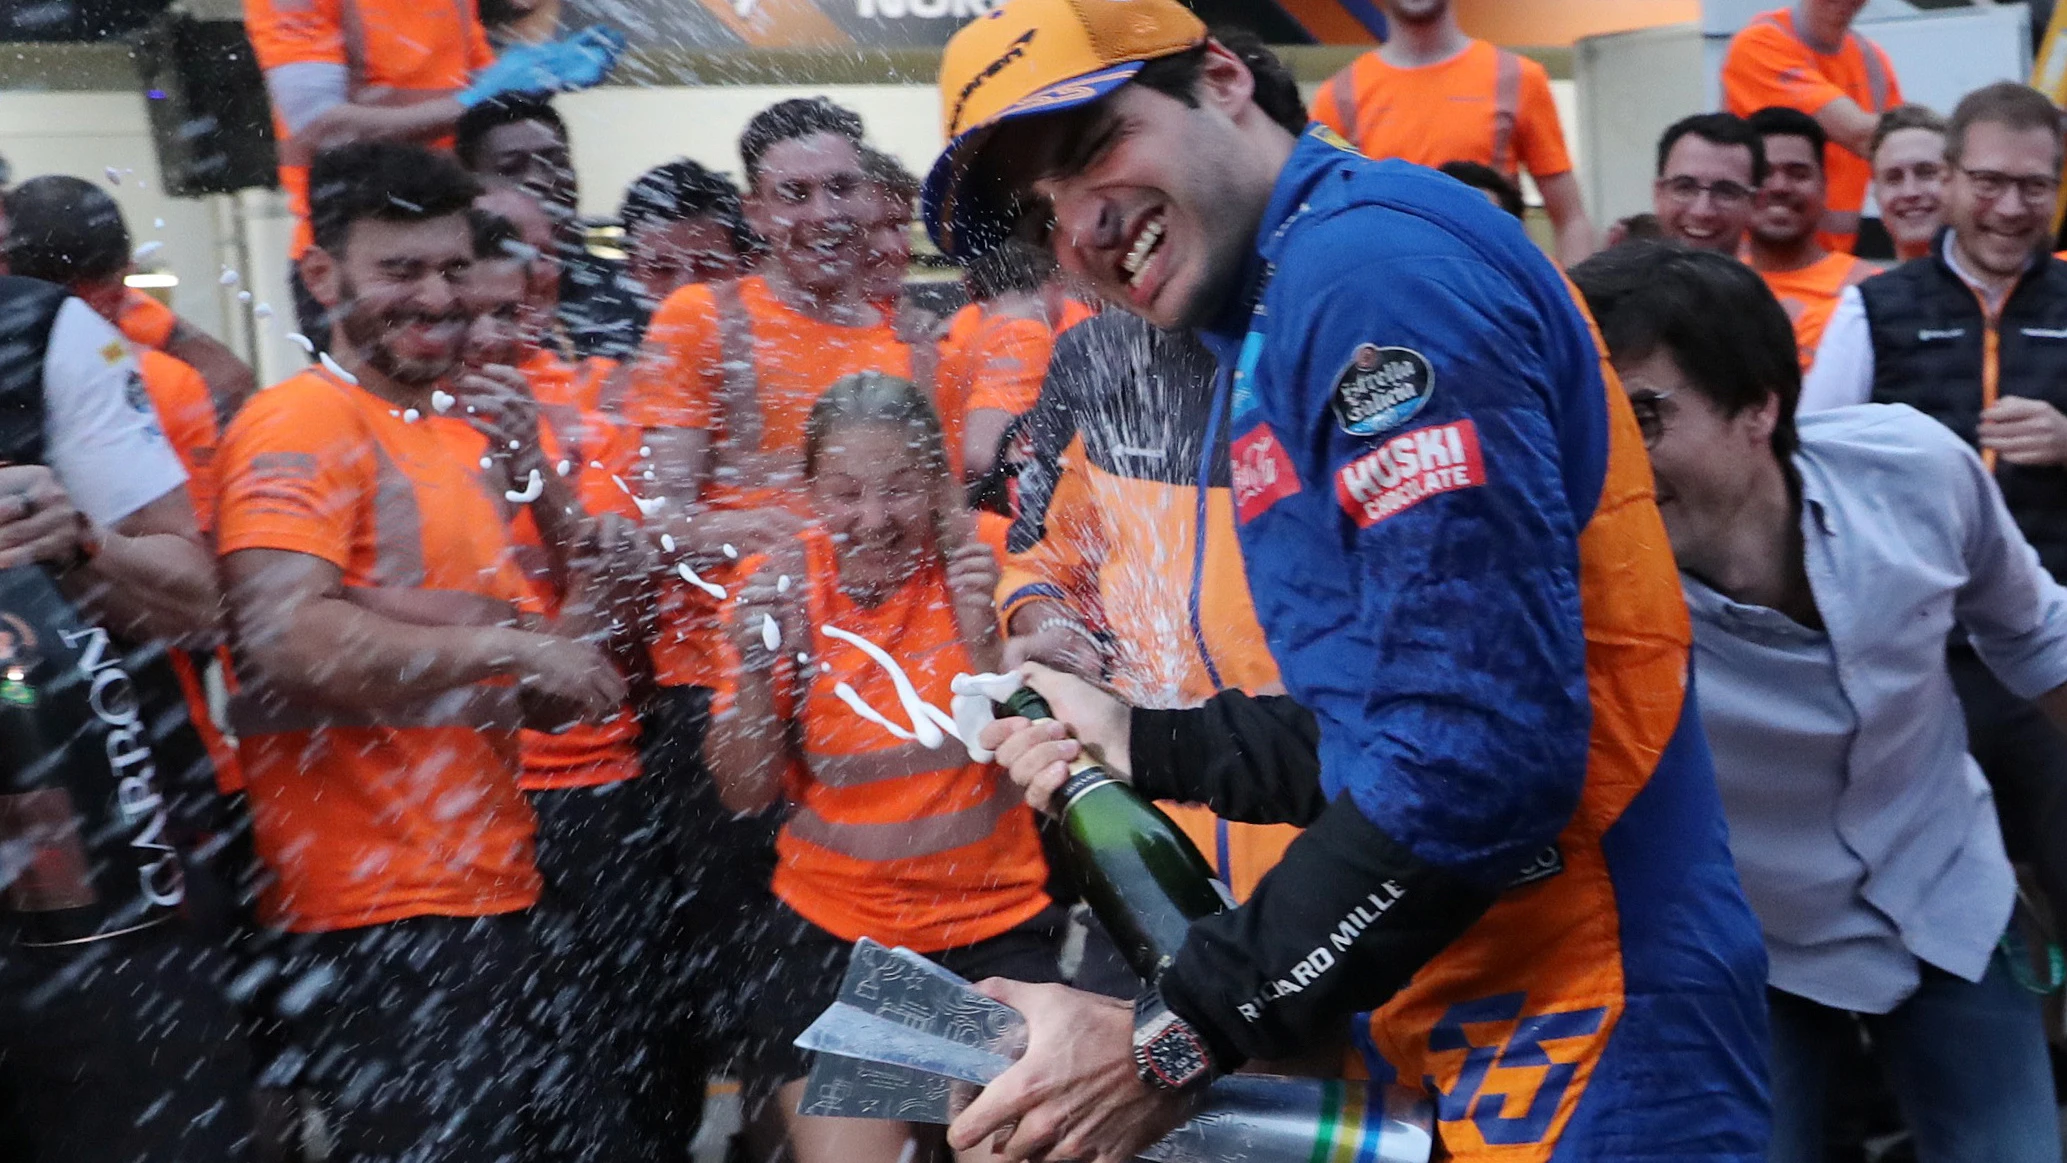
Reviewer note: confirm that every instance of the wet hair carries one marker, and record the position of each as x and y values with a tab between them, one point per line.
470	135
1492	181
885	171
1783	121
2005	103
65	230
387	181
1013	265
1903	117
875	398
496	237
1277	91
1717	129
790	120
1714	315
682	189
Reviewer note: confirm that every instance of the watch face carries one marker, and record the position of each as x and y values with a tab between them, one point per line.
1172	1057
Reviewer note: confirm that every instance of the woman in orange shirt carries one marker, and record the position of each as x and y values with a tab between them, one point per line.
886	838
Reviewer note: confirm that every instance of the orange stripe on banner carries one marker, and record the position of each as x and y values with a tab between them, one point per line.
1328	21
779	23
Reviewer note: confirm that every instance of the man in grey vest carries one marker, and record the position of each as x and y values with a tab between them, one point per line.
1974	334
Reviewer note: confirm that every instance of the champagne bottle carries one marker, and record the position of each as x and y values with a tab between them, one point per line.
1139	872
80	805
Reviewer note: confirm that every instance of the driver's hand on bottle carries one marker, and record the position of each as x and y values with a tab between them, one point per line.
1036	755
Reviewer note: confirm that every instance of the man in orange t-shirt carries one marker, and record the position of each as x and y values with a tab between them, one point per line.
1781	243
1431	95
721	390
1808	58
610	874
376	608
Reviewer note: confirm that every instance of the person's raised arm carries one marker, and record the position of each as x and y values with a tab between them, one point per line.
300	636
751	743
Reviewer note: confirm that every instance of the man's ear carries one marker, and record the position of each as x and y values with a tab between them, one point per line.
324	275
1763	419
1225	83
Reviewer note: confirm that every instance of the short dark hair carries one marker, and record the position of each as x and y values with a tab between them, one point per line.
495	237
2005	103
471	133
1714	315
64	229
1277	91
789	120
1717	129
1903	117
385	180
1012	265
683	189
1785	121
886	171
1484	177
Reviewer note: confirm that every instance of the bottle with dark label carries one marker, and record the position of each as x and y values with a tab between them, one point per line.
1138	871
80	807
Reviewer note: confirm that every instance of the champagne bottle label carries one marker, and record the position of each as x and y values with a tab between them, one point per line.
1079	783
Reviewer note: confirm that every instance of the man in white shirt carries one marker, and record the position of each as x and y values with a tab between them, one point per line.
121	1045
1824	568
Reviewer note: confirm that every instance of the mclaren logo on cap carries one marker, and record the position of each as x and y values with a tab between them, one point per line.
1012	53
1076	90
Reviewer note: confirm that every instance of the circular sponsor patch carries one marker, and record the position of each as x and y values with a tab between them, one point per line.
1381	388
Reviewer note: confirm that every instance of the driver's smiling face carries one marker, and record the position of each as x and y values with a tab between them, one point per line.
1132	192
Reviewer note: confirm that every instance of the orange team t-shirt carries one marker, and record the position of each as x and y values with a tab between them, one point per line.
1810	296
679	382
187	413
1768	64
395	52
365	824
889	840
595	449
1461	109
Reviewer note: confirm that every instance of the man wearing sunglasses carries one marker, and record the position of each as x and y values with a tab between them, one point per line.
1974	334
1824	568
1710	167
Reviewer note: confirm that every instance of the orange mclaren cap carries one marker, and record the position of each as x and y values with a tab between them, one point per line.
1025	57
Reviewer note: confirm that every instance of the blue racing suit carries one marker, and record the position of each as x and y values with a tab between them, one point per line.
1515	856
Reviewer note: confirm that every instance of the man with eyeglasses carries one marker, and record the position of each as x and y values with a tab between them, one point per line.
1824	568
1710	167
1974	334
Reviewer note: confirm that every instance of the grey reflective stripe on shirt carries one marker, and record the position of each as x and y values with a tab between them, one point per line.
1343	88
854	770
306	90
905	839
1876	69
480	708
1507	107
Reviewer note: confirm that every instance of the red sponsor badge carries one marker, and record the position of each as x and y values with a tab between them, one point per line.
1408	469
1263	473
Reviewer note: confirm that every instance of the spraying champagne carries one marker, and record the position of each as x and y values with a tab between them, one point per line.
1140	874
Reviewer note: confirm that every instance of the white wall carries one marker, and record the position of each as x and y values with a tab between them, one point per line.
87	134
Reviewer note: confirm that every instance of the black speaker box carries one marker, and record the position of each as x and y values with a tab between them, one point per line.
210	118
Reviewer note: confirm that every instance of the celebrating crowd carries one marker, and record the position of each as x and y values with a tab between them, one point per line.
542	682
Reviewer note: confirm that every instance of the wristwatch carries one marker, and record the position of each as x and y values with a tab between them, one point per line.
1168	1053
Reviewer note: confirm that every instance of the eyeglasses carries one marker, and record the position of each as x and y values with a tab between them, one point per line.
1686	191
1649	406
2033	189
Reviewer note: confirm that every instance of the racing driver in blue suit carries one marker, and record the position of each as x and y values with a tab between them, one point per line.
1514	853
